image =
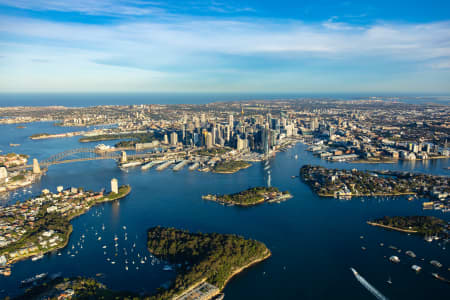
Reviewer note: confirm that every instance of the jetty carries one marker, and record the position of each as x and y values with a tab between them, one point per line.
180	165
194	166
150	164
165	165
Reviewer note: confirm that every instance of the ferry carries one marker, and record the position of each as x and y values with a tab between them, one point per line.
368	286
5	271
33	279
167	268
37	257
219	296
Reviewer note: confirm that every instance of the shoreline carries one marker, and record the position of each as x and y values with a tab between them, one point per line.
393	161
239	270
69	232
369	195
234	273
391	227
232	171
283	197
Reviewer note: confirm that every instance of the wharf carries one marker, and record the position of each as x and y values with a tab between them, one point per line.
194	166
165	165
180	165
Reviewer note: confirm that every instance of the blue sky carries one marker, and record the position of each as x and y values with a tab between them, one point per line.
319	46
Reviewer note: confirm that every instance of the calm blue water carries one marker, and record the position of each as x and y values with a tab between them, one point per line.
89	99
314	240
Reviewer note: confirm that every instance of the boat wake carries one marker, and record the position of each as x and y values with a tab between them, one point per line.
368	286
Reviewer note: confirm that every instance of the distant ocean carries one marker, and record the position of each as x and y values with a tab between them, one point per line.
93	99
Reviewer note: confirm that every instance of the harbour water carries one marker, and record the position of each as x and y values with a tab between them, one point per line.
314	240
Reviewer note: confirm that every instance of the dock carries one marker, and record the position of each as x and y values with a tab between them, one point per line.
180	165
194	166
165	165
150	164
131	164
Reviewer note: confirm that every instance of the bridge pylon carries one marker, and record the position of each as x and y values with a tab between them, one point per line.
36	167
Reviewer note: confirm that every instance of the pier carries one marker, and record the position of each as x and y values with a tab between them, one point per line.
194	166
165	165
150	164
180	165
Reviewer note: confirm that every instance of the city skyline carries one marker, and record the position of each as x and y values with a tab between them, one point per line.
211	46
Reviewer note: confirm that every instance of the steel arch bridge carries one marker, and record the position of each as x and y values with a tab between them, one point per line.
87	154
80	154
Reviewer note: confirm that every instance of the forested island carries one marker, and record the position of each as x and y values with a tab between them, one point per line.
425	225
251	196
230	166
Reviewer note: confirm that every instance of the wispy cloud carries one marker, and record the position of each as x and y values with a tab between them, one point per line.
90	7
182	48
127	8
193	35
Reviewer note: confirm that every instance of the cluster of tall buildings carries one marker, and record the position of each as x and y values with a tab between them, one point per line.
256	133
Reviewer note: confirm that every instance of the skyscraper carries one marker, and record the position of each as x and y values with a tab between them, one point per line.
209	143
231	120
173	138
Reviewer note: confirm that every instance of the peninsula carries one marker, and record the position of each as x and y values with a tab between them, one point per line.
206	260
205	263
349	183
251	196
424	225
42	224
